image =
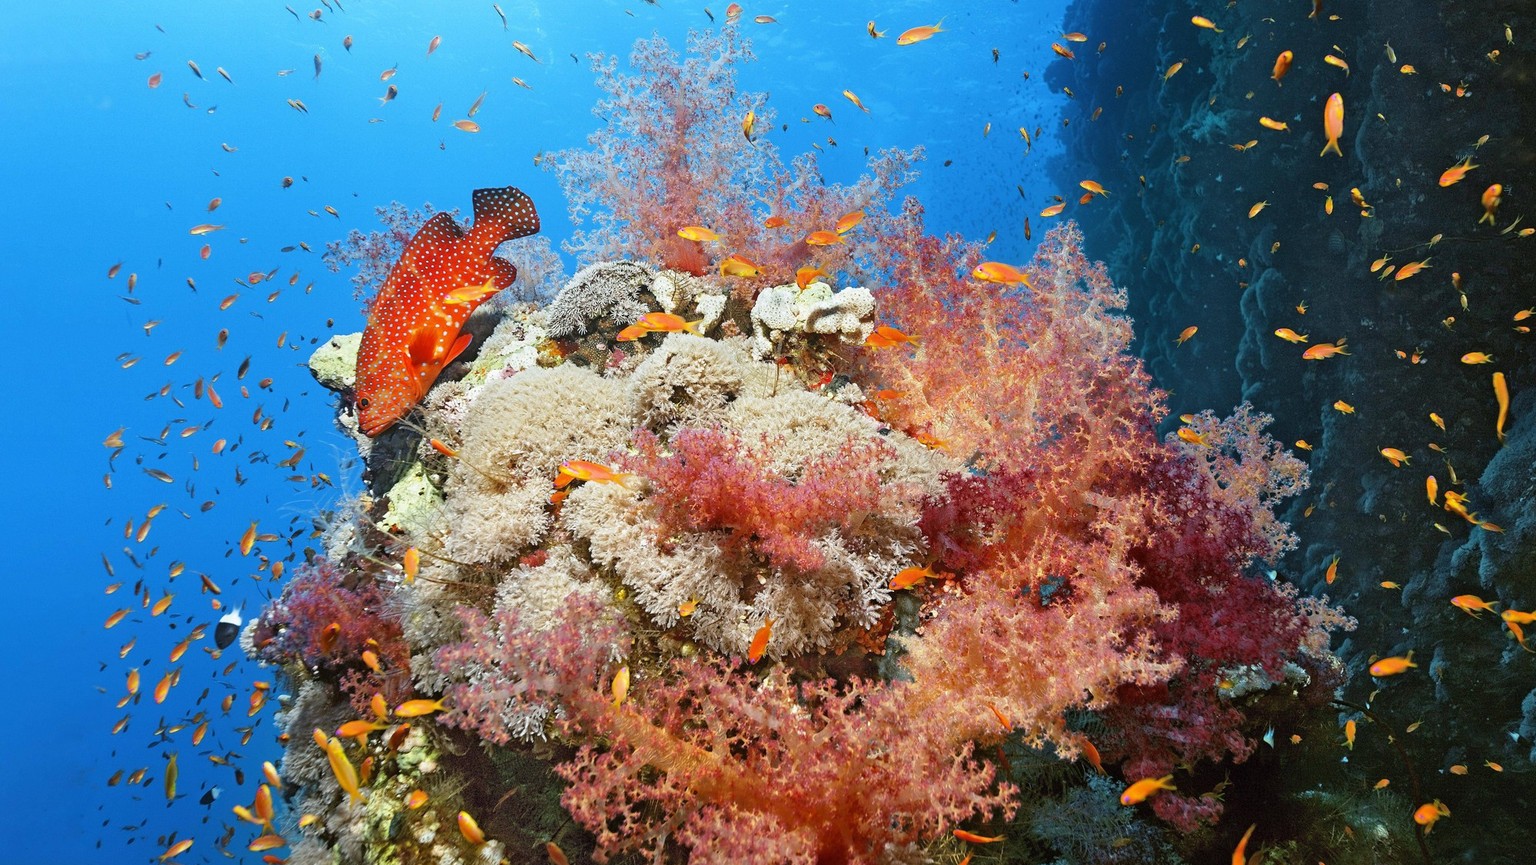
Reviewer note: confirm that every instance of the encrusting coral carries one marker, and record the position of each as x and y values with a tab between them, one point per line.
678	566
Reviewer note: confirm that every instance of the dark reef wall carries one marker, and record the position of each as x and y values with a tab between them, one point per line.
1176	228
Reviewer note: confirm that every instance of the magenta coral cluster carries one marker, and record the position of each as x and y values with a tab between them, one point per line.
326	617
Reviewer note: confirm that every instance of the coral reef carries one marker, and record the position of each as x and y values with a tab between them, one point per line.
679	568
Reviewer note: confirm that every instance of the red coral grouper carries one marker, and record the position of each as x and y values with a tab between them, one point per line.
414	322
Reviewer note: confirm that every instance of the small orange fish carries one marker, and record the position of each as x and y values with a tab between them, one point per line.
1426	815
1333	571
1289	335
1395	456
804	275
849	221
1239	853
739	265
418	708
416	799
775	221
1349	734
851	97
1455	173
1094	187
1003	274
412	332
583	470
341	767
620	686
1410	269
1492	197
821	110
973	838
1501	394
1392	666
1333	124
1185	334
920	34
1276	125
1173	70
1063	51
1282	65
914	575
698	233
1324	350
1476	357
466	125
1344	407
1053	210
823	238
470	829
760	642
432	46
1139	791
1205	23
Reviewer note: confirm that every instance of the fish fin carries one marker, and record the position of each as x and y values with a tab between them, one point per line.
438	230
501	213
503	271
421	348
457	348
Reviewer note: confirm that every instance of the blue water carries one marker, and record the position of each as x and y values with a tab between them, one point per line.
100	168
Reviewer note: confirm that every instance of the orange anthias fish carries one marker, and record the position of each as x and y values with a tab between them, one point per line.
1324	350
414	322
1333	124
1139	791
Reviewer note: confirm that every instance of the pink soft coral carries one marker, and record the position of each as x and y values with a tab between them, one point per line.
713	481
737	769
672	153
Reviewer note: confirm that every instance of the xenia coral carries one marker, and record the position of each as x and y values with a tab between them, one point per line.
675	558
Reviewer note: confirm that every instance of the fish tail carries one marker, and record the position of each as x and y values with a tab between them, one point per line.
1487	217
1333	144
502	213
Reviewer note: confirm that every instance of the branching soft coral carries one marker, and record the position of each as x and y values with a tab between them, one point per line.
324	620
673	153
734	768
712	481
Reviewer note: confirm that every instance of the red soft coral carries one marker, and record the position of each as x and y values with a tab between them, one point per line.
713	481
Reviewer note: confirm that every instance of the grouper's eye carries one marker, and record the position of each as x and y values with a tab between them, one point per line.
362	403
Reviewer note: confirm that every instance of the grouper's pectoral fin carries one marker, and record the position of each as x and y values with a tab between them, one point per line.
458	347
